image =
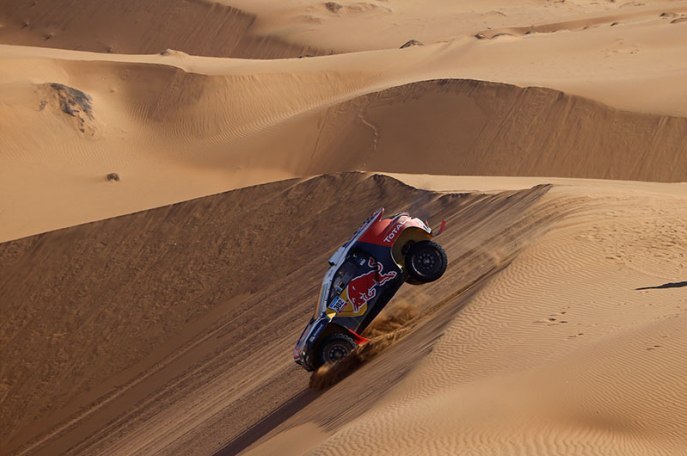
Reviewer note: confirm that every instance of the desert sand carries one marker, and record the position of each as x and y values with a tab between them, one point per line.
174	176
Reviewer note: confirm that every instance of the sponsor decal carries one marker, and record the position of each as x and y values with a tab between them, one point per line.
337	304
362	289
394	232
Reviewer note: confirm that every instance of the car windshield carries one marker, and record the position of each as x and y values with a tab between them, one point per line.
323	292
326	293
341	278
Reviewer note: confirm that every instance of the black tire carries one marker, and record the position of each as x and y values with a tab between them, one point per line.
336	347
426	261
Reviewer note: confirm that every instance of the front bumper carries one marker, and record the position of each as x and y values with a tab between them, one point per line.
303	352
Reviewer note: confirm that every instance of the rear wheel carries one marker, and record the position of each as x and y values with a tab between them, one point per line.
336	347
426	261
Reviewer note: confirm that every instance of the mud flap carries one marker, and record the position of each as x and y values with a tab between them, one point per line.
359	340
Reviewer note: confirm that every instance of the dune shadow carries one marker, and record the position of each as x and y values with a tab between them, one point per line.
665	285
268	423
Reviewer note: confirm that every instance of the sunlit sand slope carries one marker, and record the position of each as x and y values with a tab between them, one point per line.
166	135
178	338
363	25
577	348
572	89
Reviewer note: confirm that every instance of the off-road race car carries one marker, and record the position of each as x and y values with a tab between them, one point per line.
364	274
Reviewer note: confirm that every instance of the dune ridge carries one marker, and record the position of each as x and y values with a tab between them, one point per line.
311	22
644	14
213	131
194	27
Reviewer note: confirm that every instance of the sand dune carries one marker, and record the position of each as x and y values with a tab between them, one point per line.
203	314
157	125
642	15
330	23
566	351
132	27
475	128
544	286
580	99
173	179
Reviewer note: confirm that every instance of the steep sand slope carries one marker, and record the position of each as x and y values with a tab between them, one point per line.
475	128
578	347
156	342
177	339
134	27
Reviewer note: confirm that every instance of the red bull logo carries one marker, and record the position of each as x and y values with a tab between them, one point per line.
362	289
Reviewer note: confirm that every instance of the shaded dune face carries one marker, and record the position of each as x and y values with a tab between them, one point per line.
465	127
122	326
447	126
134	27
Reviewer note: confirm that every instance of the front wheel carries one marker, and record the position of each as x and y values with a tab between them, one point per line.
426	261
336	347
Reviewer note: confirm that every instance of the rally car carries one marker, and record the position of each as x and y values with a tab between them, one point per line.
364	275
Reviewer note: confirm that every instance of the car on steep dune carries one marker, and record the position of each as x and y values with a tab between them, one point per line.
364	274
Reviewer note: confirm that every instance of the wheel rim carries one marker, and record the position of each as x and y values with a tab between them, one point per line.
427	262
336	352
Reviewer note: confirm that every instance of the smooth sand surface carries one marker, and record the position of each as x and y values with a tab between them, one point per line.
174	176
